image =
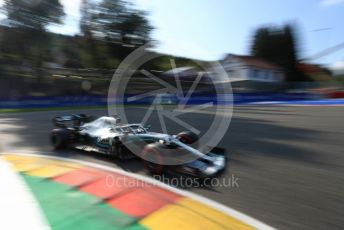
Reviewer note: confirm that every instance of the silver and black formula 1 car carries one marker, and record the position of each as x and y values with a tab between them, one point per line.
160	152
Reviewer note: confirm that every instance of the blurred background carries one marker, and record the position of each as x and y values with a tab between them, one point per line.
275	50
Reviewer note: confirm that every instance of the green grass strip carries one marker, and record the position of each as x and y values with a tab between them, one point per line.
67	208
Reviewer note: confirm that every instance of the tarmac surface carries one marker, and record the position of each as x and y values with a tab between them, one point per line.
288	161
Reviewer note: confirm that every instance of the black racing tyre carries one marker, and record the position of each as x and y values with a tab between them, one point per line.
153	159
60	138
187	137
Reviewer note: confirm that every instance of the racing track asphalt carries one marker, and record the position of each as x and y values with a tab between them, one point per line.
289	160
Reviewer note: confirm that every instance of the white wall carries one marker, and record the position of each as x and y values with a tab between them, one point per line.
239	71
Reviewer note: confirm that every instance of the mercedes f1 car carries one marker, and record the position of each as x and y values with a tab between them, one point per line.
160	152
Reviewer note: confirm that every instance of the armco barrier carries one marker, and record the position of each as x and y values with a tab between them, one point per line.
46	102
91	100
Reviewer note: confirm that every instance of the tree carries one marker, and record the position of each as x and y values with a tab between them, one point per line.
260	47
86	17
136	26
31	19
279	46
117	21
117	24
33	14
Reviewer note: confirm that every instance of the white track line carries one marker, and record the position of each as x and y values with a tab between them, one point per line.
227	210
18	208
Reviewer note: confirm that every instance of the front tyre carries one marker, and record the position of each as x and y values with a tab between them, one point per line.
60	138
153	160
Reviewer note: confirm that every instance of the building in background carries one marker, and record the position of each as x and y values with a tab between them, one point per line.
249	73
249	68
246	73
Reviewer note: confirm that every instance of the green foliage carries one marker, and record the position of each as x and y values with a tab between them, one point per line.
33	14
340	79
118	22
27	20
111	29
279	46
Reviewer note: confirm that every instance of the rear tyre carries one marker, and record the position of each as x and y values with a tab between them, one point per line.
187	137
60	138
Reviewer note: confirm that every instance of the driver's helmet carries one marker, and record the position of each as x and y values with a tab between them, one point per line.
118	119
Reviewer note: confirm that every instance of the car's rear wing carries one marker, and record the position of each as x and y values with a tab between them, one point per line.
218	150
75	120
